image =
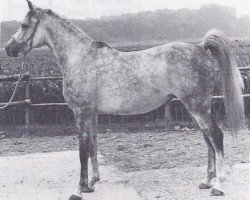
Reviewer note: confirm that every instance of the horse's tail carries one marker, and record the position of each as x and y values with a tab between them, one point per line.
232	81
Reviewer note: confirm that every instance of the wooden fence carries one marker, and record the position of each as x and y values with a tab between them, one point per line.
27	103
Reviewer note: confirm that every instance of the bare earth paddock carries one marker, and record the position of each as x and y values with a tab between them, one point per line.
148	165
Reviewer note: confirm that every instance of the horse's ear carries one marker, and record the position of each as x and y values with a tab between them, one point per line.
31	7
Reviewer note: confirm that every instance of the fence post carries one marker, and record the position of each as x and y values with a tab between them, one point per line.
27	108
167	116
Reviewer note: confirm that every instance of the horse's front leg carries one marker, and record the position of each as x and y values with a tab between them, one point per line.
84	122
93	151
84	141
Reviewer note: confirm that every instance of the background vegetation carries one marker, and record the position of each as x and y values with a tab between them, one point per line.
154	26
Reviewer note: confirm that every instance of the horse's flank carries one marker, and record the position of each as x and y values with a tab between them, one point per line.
117	82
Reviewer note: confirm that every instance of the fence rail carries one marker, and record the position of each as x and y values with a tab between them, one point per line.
27	103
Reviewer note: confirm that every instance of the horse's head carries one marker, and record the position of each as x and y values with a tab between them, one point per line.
31	33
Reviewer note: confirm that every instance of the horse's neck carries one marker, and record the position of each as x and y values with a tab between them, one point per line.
68	45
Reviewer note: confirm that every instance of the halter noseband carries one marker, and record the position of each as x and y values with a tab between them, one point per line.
31	37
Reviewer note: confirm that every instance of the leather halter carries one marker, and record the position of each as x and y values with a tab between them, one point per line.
31	37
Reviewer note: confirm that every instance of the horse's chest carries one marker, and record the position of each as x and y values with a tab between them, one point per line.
79	91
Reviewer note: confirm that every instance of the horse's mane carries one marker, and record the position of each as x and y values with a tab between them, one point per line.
68	25
79	33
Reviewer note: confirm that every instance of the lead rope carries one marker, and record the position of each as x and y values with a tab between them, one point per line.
15	90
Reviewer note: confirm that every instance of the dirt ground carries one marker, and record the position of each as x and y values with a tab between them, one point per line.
138	151
158	165
55	176
182	183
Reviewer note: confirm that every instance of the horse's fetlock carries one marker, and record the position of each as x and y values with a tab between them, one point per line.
96	178
83	182
222	179
211	174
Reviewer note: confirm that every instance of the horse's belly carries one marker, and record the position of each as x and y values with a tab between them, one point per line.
131	104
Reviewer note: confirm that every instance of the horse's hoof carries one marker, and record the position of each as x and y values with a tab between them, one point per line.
87	189
215	192
205	186
74	197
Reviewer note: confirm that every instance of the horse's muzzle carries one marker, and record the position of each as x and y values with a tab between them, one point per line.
12	48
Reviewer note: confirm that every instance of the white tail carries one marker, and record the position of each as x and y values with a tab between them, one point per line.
232	82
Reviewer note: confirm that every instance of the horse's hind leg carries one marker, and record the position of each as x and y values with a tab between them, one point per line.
211	170
93	153
217	141
215	136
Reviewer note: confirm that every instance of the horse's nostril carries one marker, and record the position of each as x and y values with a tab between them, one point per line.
7	50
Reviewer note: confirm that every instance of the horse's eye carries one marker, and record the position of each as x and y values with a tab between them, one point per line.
24	25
